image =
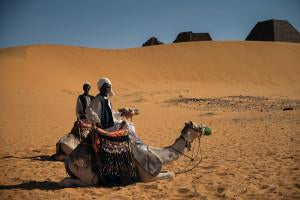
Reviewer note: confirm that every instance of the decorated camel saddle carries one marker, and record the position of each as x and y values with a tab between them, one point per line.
80	130
70	141
109	157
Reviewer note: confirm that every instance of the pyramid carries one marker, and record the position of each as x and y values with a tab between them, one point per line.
152	41
190	36
274	30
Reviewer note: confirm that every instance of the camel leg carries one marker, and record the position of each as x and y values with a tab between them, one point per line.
85	176
146	177
164	175
62	150
66	149
72	182
58	157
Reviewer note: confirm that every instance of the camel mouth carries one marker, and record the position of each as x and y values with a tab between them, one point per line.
134	111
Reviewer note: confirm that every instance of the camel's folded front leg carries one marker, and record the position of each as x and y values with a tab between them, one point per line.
72	182
164	175
84	175
58	157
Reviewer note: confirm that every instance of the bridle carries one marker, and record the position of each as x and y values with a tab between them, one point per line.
188	145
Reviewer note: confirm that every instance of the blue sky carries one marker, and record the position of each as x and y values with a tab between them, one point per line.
129	23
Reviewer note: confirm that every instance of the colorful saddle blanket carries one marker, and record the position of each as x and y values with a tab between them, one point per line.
115	165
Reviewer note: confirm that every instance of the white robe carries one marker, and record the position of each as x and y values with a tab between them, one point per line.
93	114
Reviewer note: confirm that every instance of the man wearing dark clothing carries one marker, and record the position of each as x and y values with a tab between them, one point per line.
83	101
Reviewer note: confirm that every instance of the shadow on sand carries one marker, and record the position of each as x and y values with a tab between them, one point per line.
31	185
39	158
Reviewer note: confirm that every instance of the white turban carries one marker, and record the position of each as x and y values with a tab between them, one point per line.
101	83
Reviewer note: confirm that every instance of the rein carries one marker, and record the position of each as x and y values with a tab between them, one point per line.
188	144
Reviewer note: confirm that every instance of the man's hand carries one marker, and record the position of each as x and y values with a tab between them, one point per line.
98	125
96	143
121	132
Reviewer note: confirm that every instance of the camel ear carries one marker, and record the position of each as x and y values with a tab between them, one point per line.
136	111
190	123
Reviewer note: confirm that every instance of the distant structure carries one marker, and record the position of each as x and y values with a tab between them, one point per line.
152	41
274	30
190	36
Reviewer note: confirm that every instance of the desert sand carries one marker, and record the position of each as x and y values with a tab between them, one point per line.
239	89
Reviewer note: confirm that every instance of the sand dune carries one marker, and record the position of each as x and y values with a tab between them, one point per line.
258	63
237	88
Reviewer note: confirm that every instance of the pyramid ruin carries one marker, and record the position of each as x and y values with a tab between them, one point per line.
190	36
274	30
152	41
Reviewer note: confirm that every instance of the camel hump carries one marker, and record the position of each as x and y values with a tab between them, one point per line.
146	159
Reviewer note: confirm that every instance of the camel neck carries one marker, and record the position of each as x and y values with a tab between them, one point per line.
170	153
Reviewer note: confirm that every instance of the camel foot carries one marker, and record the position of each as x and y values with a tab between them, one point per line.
165	175
72	182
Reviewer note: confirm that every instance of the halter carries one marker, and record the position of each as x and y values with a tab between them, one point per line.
188	145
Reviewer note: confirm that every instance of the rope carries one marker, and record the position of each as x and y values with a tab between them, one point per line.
192	159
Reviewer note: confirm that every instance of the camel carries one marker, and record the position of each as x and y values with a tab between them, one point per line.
128	113
80	167
80	130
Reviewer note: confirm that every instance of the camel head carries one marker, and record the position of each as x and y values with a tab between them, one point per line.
128	113
191	131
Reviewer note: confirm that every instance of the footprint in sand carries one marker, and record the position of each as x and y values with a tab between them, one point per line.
220	189
183	190
187	193
209	187
153	186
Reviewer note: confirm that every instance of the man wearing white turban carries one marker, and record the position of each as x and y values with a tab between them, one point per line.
100	112
105	82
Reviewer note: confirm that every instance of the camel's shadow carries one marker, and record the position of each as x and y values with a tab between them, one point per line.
42	185
31	185
38	157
